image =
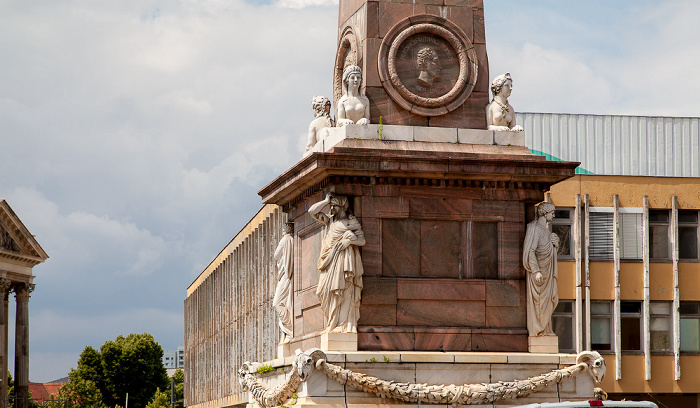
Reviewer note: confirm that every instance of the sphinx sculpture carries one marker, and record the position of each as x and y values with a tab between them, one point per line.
353	107
318	129
282	302
540	261
340	281
499	114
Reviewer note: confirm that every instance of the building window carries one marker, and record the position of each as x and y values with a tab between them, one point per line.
659	234
631	326
688	234
660	326
601	235
631	236
563	325
690	326
601	325
561	225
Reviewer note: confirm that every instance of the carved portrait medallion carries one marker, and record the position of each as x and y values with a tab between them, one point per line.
427	65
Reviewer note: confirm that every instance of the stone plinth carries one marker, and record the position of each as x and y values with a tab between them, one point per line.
432	369
339	341
444	224
418	134
543	344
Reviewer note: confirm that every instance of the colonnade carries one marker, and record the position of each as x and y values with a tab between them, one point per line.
22	291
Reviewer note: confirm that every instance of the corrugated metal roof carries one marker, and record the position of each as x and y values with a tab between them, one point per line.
618	145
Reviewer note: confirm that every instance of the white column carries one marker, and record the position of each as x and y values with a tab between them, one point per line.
4	303
645	269
579	272
586	268
676	292
616	305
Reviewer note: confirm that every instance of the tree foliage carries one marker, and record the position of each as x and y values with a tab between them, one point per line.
161	399
131	364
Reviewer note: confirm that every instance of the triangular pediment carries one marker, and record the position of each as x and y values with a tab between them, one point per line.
16	242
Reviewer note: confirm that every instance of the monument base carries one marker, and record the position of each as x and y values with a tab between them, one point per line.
339	341
284	350
543	344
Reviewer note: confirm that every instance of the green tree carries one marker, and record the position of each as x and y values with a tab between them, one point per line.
103	378
161	399
133	365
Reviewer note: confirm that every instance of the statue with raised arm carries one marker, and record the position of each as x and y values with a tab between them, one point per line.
282	302
499	114
340	281
318	129
353	107
540	261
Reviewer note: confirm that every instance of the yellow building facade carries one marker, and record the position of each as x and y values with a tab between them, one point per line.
629	281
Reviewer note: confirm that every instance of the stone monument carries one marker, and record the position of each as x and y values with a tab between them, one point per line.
411	243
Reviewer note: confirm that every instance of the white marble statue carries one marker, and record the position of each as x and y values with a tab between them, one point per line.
282	302
540	261
353	107
318	129
499	114
340	281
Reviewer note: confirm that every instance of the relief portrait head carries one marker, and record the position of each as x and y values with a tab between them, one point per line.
428	66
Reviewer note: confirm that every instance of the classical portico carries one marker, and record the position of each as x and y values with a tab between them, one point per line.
19	253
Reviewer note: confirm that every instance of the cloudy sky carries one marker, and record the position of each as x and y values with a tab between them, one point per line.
134	134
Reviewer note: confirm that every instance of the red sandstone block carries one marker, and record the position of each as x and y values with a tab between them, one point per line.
504	293
377	315
379	291
392	13
465	3
442	339
372	21
346	8
400	247
313	320
483	82
389	341
384	206
479	32
439	249
441	289
441	313
369	69
308	299
506	317
392	114
509	342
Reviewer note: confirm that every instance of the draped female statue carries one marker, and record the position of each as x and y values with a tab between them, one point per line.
340	281
282	302
540	261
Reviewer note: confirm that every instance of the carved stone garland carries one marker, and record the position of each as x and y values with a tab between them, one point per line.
468	394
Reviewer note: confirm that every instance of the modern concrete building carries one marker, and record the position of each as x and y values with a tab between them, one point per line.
629	266
174	359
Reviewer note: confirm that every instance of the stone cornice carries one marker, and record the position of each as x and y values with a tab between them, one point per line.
30	251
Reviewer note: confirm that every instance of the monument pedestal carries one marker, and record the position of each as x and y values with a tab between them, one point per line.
543	344
284	350
339	341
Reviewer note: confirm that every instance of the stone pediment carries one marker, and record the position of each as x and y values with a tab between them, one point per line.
17	244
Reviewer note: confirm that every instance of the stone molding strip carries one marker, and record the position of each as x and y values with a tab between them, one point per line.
590	362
